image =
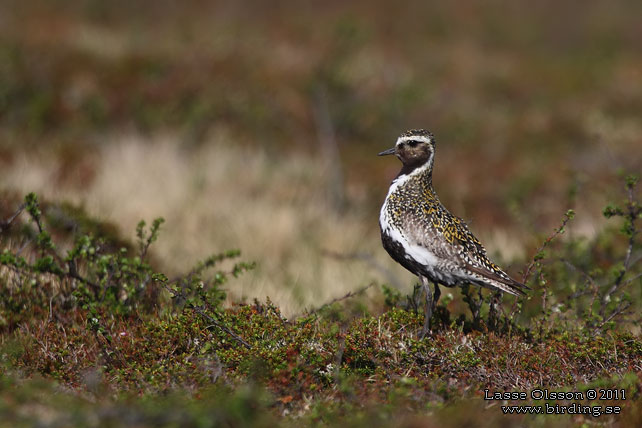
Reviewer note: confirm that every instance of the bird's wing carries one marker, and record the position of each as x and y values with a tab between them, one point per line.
477	262
446	236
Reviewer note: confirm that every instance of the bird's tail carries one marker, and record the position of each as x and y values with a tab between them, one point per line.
496	280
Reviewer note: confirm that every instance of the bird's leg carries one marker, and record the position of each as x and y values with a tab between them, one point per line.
429	306
435	298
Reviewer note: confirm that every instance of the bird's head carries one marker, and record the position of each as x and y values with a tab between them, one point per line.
415	149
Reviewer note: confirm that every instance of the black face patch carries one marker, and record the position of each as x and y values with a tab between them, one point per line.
414	152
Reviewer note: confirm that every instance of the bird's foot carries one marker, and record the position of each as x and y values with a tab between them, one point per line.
425	331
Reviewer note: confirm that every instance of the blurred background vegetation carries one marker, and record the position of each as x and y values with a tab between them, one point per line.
255	124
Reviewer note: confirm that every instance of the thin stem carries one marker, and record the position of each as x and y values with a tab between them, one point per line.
5	225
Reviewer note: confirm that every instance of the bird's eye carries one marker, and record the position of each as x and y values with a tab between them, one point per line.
413	143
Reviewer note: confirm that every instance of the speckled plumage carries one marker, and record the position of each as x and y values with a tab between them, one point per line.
423	236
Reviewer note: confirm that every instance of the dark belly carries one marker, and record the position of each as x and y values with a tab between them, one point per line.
398	253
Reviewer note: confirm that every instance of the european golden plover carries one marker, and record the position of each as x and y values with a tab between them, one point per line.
424	237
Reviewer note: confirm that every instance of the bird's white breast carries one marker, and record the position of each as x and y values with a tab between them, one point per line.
413	251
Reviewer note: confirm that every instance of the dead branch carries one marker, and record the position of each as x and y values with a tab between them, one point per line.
5	225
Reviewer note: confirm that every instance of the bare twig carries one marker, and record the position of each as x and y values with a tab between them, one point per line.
630	280
72	273
537	261
199	310
589	279
493	309
623	306
203	313
568	216
631	215
474	303
5	225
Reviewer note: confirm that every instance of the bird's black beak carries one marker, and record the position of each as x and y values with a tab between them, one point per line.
387	152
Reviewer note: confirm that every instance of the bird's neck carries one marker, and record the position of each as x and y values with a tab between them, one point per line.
417	173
